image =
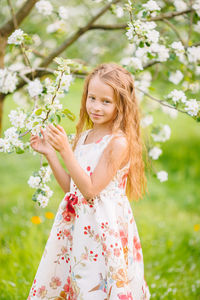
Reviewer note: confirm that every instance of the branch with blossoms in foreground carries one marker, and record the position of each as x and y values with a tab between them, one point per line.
47	109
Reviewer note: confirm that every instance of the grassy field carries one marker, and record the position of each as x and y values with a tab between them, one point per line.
168	218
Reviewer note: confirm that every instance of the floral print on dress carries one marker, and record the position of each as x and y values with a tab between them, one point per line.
93	251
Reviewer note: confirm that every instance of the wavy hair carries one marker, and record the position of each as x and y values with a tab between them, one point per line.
127	120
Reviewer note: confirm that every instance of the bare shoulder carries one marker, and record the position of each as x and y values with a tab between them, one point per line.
118	143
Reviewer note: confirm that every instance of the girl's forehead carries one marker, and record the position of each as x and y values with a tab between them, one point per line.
97	86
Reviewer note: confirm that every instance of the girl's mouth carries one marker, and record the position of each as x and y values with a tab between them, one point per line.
95	115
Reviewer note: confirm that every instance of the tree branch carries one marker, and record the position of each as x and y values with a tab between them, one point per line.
175	30
23	12
170	15
75	36
160	17
108	27
160	101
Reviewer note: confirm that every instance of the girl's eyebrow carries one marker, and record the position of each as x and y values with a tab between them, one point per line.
102	97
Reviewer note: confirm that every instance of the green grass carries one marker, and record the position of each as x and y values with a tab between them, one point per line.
165	217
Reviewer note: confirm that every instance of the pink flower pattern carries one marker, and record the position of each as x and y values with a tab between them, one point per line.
93	248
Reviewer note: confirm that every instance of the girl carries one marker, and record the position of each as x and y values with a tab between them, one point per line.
93	251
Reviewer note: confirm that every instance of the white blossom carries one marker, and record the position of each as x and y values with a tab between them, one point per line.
136	63
20	99
192	107
155	152
63	12
197	27
163	135
196	6
8	81
45	173
35	88
176	77
47	190
43	200
146	121
177	46
151	5
11	133
56	26
17	37
172	112
161	50
179	50
17	118
142	31
177	95
66	81
34	181
143	82
119	11
162	176
193	54
180	5
56	105
197	71
132	61
44	7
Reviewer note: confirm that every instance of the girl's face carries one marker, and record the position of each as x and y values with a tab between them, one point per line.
100	104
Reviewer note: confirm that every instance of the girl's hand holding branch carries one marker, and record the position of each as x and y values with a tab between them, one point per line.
41	145
57	138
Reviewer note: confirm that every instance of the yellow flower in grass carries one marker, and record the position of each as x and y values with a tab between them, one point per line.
49	215
196	227
36	220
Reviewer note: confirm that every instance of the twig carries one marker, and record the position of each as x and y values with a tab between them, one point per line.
191	23
22	13
175	30
75	36
159	101
22	47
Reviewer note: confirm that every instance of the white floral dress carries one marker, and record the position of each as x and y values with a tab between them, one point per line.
93	251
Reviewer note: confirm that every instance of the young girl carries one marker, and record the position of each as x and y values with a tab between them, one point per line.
93	251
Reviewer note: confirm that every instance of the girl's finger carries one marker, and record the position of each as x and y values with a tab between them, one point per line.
60	128
53	129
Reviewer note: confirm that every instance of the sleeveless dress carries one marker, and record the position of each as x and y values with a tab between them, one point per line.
93	251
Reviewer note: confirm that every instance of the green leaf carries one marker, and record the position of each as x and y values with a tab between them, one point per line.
45	164
51	118
38	111
19	150
58	118
34	197
141	44
69	114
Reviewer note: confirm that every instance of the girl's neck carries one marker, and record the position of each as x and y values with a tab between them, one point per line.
98	130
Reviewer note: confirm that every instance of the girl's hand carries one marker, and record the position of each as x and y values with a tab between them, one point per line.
41	145
57	137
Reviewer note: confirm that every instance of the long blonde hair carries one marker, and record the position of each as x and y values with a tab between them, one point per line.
127	120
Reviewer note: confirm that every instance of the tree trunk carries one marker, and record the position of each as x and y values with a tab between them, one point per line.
2	97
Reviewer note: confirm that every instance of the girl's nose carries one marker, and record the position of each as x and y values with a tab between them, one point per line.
97	106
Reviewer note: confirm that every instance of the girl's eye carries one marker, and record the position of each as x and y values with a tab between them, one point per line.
106	101
91	97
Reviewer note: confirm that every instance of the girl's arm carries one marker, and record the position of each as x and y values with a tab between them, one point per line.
89	186
62	177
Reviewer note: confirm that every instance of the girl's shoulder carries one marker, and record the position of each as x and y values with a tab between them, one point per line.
119	138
